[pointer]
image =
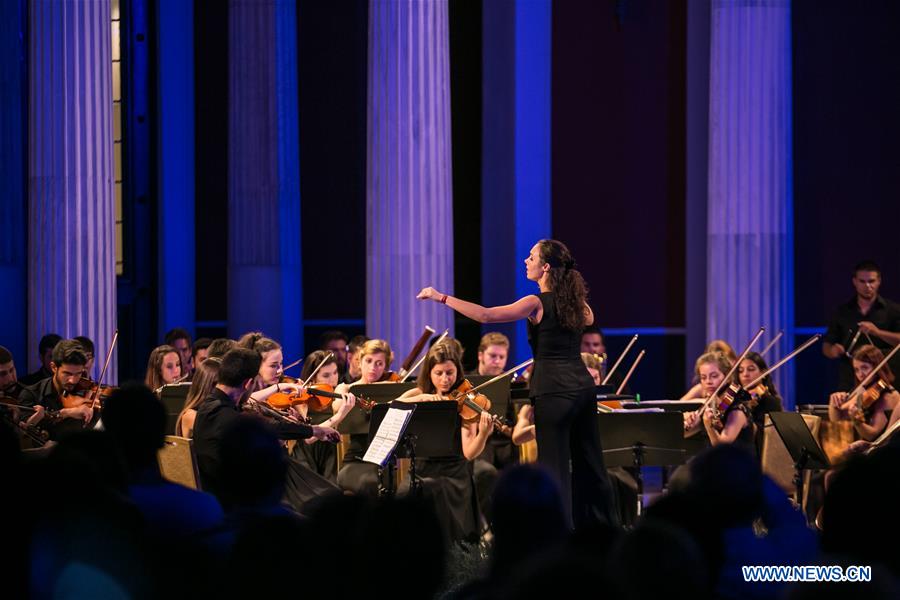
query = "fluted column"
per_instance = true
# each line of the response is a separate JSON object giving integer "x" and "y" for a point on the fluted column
{"x": 264, "y": 265}
{"x": 71, "y": 251}
{"x": 750, "y": 224}
{"x": 409, "y": 202}
{"x": 13, "y": 222}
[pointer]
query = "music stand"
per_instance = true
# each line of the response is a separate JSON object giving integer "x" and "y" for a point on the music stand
{"x": 173, "y": 396}
{"x": 433, "y": 431}
{"x": 642, "y": 439}
{"x": 357, "y": 420}
{"x": 805, "y": 451}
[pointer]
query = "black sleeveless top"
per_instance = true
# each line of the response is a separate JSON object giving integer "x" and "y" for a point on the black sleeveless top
{"x": 557, "y": 354}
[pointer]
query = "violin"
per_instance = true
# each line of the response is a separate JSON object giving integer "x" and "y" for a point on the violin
{"x": 390, "y": 376}
{"x": 265, "y": 409}
{"x": 868, "y": 396}
{"x": 86, "y": 391}
{"x": 317, "y": 397}
{"x": 471, "y": 404}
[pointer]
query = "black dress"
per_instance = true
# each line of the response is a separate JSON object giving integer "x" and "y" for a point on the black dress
{"x": 448, "y": 483}
{"x": 355, "y": 475}
{"x": 565, "y": 417}
{"x": 321, "y": 458}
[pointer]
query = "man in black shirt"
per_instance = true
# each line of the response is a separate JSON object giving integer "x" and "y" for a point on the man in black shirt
{"x": 220, "y": 411}
{"x": 867, "y": 314}
{"x": 67, "y": 367}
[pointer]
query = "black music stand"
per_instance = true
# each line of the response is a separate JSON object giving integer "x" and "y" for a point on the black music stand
{"x": 357, "y": 420}
{"x": 432, "y": 431}
{"x": 173, "y": 396}
{"x": 805, "y": 451}
{"x": 645, "y": 439}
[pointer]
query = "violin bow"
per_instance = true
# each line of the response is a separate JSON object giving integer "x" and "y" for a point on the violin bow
{"x": 109, "y": 352}
{"x": 312, "y": 375}
{"x": 621, "y": 356}
{"x": 630, "y": 371}
{"x": 772, "y": 343}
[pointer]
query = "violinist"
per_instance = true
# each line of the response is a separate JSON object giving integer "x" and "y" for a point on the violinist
{"x": 867, "y": 412}
{"x": 9, "y": 383}
{"x": 735, "y": 424}
{"x": 355, "y": 475}
{"x": 11, "y": 389}
{"x": 202, "y": 385}
{"x": 220, "y": 411}
{"x": 594, "y": 364}
{"x": 449, "y": 480}
{"x": 163, "y": 367}
{"x": 322, "y": 458}
{"x": 764, "y": 398}
{"x": 67, "y": 365}
{"x": 720, "y": 346}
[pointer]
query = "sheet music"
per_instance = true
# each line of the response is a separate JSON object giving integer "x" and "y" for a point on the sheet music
{"x": 387, "y": 436}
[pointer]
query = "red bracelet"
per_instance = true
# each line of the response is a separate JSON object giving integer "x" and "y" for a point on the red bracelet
{"x": 444, "y": 299}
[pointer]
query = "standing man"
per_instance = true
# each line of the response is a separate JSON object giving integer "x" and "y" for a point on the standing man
{"x": 874, "y": 317}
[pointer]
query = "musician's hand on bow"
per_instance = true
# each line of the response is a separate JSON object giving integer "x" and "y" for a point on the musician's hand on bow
{"x": 326, "y": 434}
{"x": 838, "y": 398}
{"x": 691, "y": 419}
{"x": 868, "y": 327}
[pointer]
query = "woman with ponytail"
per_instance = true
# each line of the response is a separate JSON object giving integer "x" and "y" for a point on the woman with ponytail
{"x": 562, "y": 390}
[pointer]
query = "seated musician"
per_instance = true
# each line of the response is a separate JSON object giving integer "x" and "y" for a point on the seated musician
{"x": 199, "y": 351}
{"x": 594, "y": 364}
{"x": 322, "y": 458}
{"x": 355, "y": 475}
{"x": 67, "y": 367}
{"x": 736, "y": 425}
{"x": 720, "y": 346}
{"x": 163, "y": 367}
{"x": 499, "y": 451}
{"x": 449, "y": 480}
{"x": 869, "y": 421}
{"x": 493, "y": 351}
{"x": 10, "y": 389}
{"x": 764, "y": 397}
{"x": 269, "y": 379}
{"x": 9, "y": 382}
{"x": 202, "y": 385}
{"x": 221, "y": 411}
